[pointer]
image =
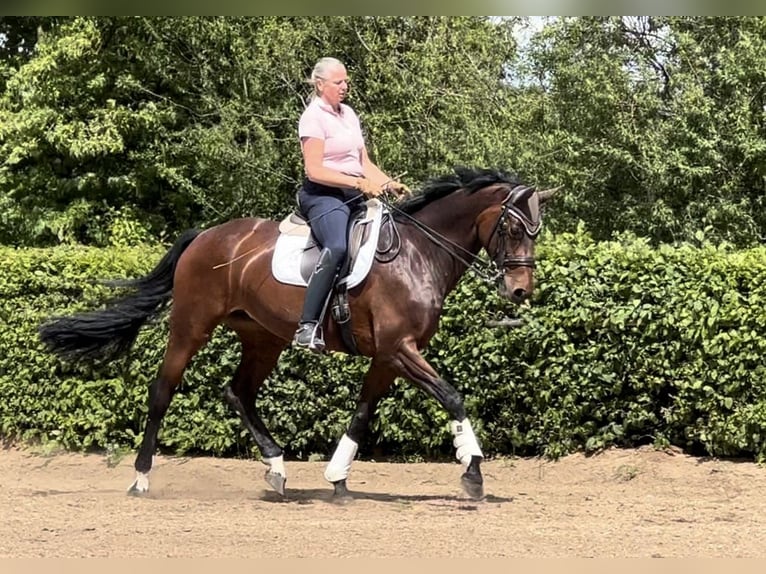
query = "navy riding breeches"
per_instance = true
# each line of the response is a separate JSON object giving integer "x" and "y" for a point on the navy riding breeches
{"x": 327, "y": 210}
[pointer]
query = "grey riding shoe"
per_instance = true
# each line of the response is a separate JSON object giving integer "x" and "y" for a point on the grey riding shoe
{"x": 309, "y": 336}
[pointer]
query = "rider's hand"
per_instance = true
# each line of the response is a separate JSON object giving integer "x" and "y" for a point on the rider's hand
{"x": 398, "y": 189}
{"x": 368, "y": 188}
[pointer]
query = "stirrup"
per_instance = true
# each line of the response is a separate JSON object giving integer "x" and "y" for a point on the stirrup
{"x": 309, "y": 336}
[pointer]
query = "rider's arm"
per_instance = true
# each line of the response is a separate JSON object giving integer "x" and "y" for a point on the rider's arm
{"x": 313, "y": 152}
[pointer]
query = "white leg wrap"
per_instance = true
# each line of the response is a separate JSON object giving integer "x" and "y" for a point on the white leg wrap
{"x": 341, "y": 460}
{"x": 465, "y": 441}
{"x": 276, "y": 465}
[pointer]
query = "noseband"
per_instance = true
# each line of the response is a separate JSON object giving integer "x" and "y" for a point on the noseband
{"x": 502, "y": 227}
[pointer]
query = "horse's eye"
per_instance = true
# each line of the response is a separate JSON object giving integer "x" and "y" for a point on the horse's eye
{"x": 516, "y": 231}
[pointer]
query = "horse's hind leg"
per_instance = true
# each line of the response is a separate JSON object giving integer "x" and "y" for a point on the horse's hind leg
{"x": 259, "y": 357}
{"x": 376, "y": 382}
{"x": 182, "y": 345}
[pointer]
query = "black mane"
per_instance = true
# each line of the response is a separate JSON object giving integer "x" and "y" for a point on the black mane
{"x": 470, "y": 179}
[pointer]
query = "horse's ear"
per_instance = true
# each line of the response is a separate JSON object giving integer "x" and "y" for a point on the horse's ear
{"x": 546, "y": 194}
{"x": 526, "y": 193}
{"x": 520, "y": 193}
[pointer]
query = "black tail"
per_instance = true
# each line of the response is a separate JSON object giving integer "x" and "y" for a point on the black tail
{"x": 109, "y": 333}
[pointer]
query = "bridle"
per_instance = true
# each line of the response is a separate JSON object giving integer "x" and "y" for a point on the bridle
{"x": 502, "y": 230}
{"x": 501, "y": 261}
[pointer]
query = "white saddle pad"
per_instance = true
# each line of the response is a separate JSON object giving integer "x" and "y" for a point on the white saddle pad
{"x": 294, "y": 238}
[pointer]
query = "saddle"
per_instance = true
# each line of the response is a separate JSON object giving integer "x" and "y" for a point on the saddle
{"x": 297, "y": 251}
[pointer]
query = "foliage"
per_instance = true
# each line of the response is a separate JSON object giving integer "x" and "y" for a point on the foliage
{"x": 120, "y": 132}
{"x": 623, "y": 344}
{"x": 190, "y": 121}
{"x": 653, "y": 125}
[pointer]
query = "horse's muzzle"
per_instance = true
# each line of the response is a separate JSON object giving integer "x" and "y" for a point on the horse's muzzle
{"x": 517, "y": 285}
{"x": 519, "y": 295}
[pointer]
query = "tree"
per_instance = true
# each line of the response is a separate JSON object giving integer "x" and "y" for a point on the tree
{"x": 168, "y": 123}
{"x": 654, "y": 125}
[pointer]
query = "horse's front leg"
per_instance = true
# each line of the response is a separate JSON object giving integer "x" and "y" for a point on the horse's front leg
{"x": 467, "y": 450}
{"x": 376, "y": 382}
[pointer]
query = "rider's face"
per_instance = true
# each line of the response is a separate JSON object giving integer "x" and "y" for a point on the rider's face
{"x": 333, "y": 87}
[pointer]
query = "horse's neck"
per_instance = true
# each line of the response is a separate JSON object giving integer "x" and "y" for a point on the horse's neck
{"x": 450, "y": 220}
{"x": 443, "y": 256}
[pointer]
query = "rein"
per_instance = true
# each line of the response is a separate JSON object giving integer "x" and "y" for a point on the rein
{"x": 487, "y": 270}
{"x": 452, "y": 248}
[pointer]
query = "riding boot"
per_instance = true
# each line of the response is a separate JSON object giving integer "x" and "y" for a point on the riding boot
{"x": 318, "y": 290}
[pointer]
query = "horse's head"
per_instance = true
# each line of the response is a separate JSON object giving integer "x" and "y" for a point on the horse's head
{"x": 503, "y": 217}
{"x": 508, "y": 232}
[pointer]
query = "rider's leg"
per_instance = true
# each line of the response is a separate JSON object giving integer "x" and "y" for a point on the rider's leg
{"x": 328, "y": 216}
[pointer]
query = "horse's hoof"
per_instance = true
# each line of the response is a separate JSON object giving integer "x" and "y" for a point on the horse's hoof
{"x": 342, "y": 499}
{"x": 475, "y": 490}
{"x": 136, "y": 490}
{"x": 341, "y": 494}
{"x": 276, "y": 481}
{"x": 140, "y": 486}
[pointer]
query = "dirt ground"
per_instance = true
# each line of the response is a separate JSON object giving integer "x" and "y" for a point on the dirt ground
{"x": 621, "y": 503}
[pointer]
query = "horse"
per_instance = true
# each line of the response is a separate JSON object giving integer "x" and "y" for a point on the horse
{"x": 223, "y": 275}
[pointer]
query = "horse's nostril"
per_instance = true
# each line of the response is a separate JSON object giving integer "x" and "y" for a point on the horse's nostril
{"x": 519, "y": 294}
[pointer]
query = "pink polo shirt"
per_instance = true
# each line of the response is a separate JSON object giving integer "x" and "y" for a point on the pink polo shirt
{"x": 342, "y": 135}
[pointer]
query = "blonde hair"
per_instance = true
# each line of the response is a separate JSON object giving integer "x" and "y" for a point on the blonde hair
{"x": 320, "y": 70}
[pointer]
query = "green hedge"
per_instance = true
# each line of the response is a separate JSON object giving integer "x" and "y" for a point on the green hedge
{"x": 623, "y": 344}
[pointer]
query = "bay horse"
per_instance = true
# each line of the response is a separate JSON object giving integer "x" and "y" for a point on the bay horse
{"x": 222, "y": 275}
